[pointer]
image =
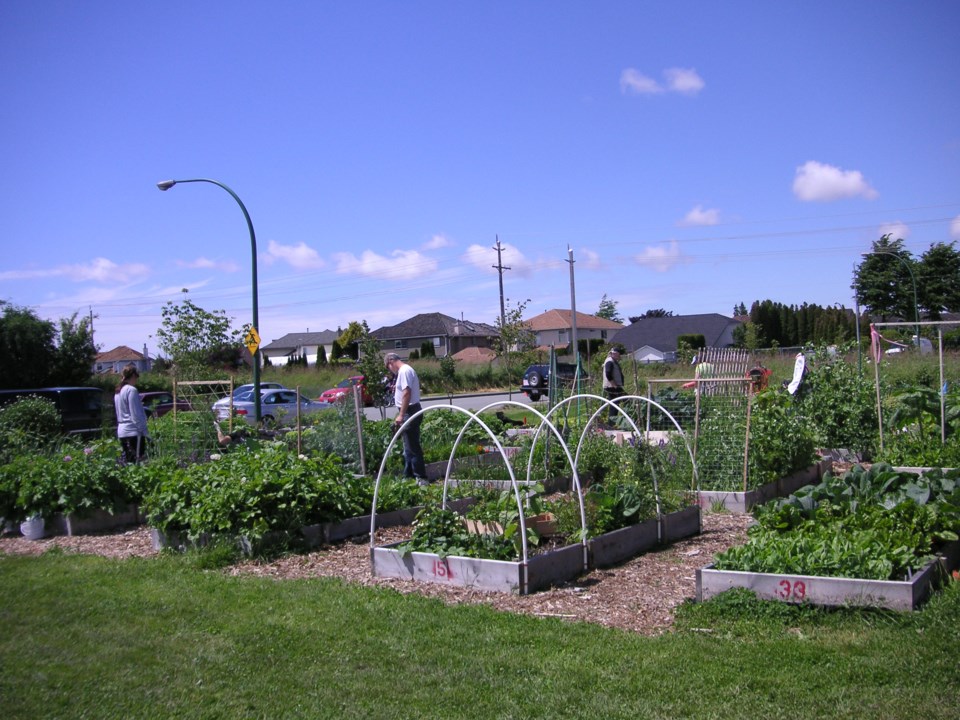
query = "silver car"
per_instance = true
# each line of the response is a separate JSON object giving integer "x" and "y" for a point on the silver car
{"x": 278, "y": 406}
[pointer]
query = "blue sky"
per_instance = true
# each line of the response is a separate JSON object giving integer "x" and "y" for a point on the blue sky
{"x": 694, "y": 155}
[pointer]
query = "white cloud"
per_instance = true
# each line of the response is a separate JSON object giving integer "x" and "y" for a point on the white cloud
{"x": 896, "y": 230}
{"x": 401, "y": 265}
{"x": 955, "y": 228}
{"x": 590, "y": 259}
{"x": 99, "y": 270}
{"x": 678, "y": 80}
{"x": 684, "y": 81}
{"x": 633, "y": 81}
{"x": 816, "y": 181}
{"x": 437, "y": 242}
{"x": 202, "y": 263}
{"x": 699, "y": 216}
{"x": 485, "y": 258}
{"x": 300, "y": 256}
{"x": 661, "y": 257}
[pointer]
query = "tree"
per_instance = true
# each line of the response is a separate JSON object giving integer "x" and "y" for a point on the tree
{"x": 883, "y": 284}
{"x": 370, "y": 365}
{"x": 321, "y": 356}
{"x": 26, "y": 348}
{"x": 938, "y": 280}
{"x": 516, "y": 337}
{"x": 608, "y": 310}
{"x": 194, "y": 338}
{"x": 350, "y": 338}
{"x": 76, "y": 352}
{"x": 739, "y": 310}
{"x": 747, "y": 335}
{"x": 656, "y": 313}
{"x": 427, "y": 349}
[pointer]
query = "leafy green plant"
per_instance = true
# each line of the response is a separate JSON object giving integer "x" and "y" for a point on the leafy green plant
{"x": 444, "y": 533}
{"x": 875, "y": 524}
{"x": 28, "y": 425}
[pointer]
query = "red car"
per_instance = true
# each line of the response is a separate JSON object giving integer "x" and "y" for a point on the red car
{"x": 158, "y": 404}
{"x": 344, "y": 390}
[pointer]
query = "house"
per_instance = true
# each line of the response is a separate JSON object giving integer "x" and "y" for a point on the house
{"x": 294, "y": 345}
{"x": 447, "y": 335}
{"x": 555, "y": 326}
{"x": 114, "y": 360}
{"x": 653, "y": 339}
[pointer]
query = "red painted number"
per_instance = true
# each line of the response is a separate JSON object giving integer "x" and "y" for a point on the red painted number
{"x": 442, "y": 570}
{"x": 792, "y": 591}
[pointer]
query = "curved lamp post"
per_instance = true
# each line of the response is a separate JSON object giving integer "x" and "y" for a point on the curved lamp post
{"x": 916, "y": 306}
{"x": 166, "y": 185}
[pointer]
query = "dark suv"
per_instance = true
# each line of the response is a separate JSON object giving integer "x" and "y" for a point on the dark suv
{"x": 80, "y": 408}
{"x": 536, "y": 379}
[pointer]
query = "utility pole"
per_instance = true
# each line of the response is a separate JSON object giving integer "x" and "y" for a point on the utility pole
{"x": 499, "y": 267}
{"x": 573, "y": 308}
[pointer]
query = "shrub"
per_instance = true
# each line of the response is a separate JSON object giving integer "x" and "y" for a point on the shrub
{"x": 28, "y": 425}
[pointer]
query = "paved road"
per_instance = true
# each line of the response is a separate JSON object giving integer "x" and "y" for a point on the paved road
{"x": 468, "y": 401}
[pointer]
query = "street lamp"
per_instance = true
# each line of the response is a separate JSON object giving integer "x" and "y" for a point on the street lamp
{"x": 916, "y": 306}
{"x": 166, "y": 185}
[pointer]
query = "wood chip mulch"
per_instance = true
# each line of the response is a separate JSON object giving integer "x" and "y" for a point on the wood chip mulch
{"x": 638, "y": 596}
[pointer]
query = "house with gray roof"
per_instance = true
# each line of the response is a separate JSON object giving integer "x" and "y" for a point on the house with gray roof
{"x": 655, "y": 339}
{"x": 448, "y": 335}
{"x": 294, "y": 345}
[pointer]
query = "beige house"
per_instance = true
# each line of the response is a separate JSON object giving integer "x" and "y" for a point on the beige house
{"x": 554, "y": 327}
{"x": 114, "y": 360}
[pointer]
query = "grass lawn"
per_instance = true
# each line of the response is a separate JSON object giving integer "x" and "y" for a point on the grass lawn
{"x": 88, "y": 637}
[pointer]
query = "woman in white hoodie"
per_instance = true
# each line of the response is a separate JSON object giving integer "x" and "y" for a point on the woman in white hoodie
{"x": 131, "y": 419}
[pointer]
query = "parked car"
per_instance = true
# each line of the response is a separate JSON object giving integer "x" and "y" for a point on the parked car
{"x": 278, "y": 406}
{"x": 536, "y": 378}
{"x": 344, "y": 389}
{"x": 158, "y": 404}
{"x": 247, "y": 387}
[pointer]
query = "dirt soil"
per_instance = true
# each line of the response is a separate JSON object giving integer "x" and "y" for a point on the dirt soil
{"x": 638, "y": 596}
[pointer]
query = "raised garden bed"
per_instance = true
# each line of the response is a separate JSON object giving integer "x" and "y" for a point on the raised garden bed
{"x": 742, "y": 502}
{"x": 95, "y": 521}
{"x": 832, "y": 591}
{"x": 540, "y": 571}
{"x": 620, "y": 545}
{"x": 879, "y": 537}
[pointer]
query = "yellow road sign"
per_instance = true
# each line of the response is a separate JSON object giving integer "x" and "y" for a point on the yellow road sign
{"x": 252, "y": 340}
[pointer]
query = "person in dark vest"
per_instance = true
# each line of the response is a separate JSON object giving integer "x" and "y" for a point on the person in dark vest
{"x": 612, "y": 380}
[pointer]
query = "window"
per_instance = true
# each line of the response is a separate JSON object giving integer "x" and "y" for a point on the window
{"x": 400, "y": 344}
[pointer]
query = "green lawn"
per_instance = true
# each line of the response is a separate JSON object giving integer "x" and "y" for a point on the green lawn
{"x": 87, "y": 637}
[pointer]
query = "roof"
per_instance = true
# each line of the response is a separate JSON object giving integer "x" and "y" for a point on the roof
{"x": 121, "y": 352}
{"x": 562, "y": 319}
{"x": 662, "y": 332}
{"x": 471, "y": 355}
{"x": 434, "y": 325}
{"x": 292, "y": 341}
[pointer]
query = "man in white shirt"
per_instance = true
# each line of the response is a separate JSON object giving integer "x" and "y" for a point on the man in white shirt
{"x": 406, "y": 397}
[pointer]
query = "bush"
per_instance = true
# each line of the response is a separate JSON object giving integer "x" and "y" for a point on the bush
{"x": 29, "y": 425}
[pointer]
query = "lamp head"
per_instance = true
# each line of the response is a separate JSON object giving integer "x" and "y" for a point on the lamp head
{"x": 166, "y": 184}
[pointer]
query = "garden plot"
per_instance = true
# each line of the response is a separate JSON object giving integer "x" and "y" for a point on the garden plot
{"x": 882, "y": 537}
{"x": 638, "y": 499}
{"x": 742, "y": 502}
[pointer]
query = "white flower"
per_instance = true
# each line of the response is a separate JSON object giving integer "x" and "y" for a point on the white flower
{"x": 215, "y": 456}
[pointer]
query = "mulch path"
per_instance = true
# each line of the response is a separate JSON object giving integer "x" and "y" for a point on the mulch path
{"x": 638, "y": 596}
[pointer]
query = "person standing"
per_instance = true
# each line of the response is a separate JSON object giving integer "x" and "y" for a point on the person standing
{"x": 406, "y": 396}
{"x": 131, "y": 418}
{"x": 612, "y": 380}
